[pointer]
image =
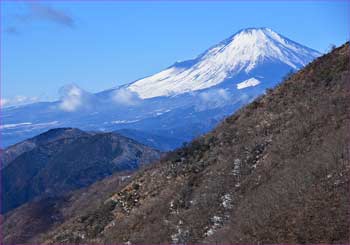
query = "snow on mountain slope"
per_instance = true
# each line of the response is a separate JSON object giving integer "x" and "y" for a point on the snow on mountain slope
{"x": 240, "y": 53}
{"x": 251, "y": 82}
{"x": 207, "y": 88}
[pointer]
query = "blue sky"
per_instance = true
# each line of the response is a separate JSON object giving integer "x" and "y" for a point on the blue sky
{"x": 99, "y": 45}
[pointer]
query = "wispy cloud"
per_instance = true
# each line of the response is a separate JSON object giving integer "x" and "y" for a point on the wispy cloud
{"x": 18, "y": 100}
{"x": 39, "y": 11}
{"x": 125, "y": 97}
{"x": 12, "y": 30}
{"x": 212, "y": 99}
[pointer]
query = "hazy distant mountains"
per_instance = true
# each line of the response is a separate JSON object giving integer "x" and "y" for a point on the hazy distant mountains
{"x": 178, "y": 103}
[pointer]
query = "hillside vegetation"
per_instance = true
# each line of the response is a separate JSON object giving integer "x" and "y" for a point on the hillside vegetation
{"x": 277, "y": 171}
{"x": 65, "y": 159}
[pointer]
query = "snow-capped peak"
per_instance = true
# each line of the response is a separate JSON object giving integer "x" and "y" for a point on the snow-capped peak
{"x": 239, "y": 54}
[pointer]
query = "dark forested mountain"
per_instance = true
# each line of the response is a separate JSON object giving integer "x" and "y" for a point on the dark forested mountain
{"x": 277, "y": 171}
{"x": 161, "y": 142}
{"x": 65, "y": 159}
{"x": 65, "y": 134}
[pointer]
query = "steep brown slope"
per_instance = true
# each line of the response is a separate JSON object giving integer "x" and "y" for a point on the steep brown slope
{"x": 277, "y": 171}
{"x": 26, "y": 223}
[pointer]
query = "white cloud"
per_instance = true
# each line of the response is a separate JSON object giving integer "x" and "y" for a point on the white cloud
{"x": 18, "y": 100}
{"x": 125, "y": 97}
{"x": 212, "y": 99}
{"x": 218, "y": 94}
{"x": 4, "y": 102}
{"x": 73, "y": 98}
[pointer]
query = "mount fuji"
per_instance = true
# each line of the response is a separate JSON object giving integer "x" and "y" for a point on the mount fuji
{"x": 175, "y": 105}
{"x": 245, "y": 52}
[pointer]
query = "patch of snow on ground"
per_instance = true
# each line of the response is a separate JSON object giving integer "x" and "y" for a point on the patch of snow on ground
{"x": 226, "y": 201}
{"x": 236, "y": 167}
{"x": 217, "y": 222}
{"x": 181, "y": 234}
{"x": 125, "y": 177}
{"x": 173, "y": 209}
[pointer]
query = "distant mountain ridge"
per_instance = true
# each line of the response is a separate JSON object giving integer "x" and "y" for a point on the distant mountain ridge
{"x": 64, "y": 159}
{"x": 68, "y": 134}
{"x": 181, "y": 102}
